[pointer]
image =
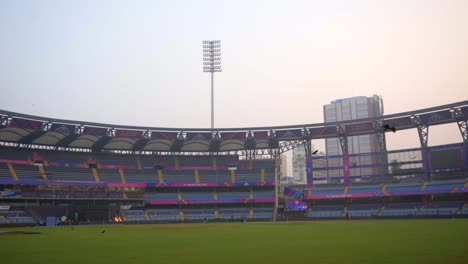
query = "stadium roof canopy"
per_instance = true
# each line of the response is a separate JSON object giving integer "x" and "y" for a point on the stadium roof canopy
{"x": 24, "y": 130}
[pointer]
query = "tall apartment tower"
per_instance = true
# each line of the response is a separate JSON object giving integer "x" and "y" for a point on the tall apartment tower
{"x": 299, "y": 165}
{"x": 350, "y": 109}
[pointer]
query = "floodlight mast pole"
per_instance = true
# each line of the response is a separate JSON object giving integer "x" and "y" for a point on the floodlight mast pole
{"x": 212, "y": 64}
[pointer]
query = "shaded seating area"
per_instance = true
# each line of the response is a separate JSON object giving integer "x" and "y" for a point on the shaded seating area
{"x": 401, "y": 209}
{"x": 165, "y": 215}
{"x": 69, "y": 174}
{"x": 134, "y": 215}
{"x": 326, "y": 211}
{"x": 233, "y": 213}
{"x": 17, "y": 217}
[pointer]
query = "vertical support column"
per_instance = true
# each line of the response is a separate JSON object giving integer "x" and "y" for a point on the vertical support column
{"x": 308, "y": 163}
{"x": 423, "y": 133}
{"x": 250, "y": 145}
{"x": 309, "y": 171}
{"x": 462, "y": 122}
{"x": 277, "y": 171}
{"x": 382, "y": 143}
{"x": 343, "y": 137}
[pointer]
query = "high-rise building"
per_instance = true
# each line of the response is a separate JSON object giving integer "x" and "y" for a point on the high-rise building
{"x": 350, "y": 109}
{"x": 299, "y": 165}
{"x": 284, "y": 165}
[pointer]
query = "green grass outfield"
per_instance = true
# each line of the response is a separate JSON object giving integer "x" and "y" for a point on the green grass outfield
{"x": 392, "y": 241}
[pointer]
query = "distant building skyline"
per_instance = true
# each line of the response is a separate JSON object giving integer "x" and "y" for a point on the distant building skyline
{"x": 353, "y": 108}
{"x": 138, "y": 63}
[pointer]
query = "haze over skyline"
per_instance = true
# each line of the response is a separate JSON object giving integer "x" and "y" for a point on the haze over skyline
{"x": 140, "y": 62}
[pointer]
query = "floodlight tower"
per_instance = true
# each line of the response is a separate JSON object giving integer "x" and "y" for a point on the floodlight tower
{"x": 212, "y": 63}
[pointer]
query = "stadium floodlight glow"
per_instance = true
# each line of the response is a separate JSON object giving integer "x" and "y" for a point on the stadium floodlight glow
{"x": 212, "y": 64}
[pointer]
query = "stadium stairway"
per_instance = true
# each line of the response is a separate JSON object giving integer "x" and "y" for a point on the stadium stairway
{"x": 148, "y": 218}
{"x": 122, "y": 214}
{"x": 4, "y": 219}
{"x": 251, "y": 195}
{"x": 384, "y": 188}
{"x": 179, "y": 196}
{"x": 251, "y": 213}
{"x": 43, "y": 173}
{"x": 462, "y": 206}
{"x": 197, "y": 177}
{"x": 345, "y": 210}
{"x": 160, "y": 177}
{"x": 420, "y": 209}
{"x": 262, "y": 179}
{"x": 138, "y": 161}
{"x": 345, "y": 191}
{"x": 95, "y": 174}
{"x": 13, "y": 172}
{"x": 423, "y": 187}
{"x": 33, "y": 214}
{"x": 233, "y": 176}
{"x": 216, "y": 213}
{"x": 122, "y": 176}
{"x": 382, "y": 208}
{"x": 215, "y": 196}
{"x": 182, "y": 215}
{"x": 214, "y": 163}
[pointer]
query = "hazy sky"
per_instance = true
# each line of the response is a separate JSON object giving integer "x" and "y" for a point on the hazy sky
{"x": 140, "y": 62}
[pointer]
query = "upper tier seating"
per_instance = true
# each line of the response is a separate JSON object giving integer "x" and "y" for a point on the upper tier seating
{"x": 137, "y": 176}
{"x": 233, "y": 195}
{"x": 15, "y": 154}
{"x": 5, "y": 172}
{"x": 364, "y": 188}
{"x": 263, "y": 194}
{"x": 109, "y": 175}
{"x": 214, "y": 176}
{"x": 403, "y": 187}
{"x": 150, "y": 161}
{"x": 179, "y": 176}
{"x": 69, "y": 174}
{"x": 115, "y": 159}
{"x": 332, "y": 190}
{"x": 253, "y": 175}
{"x": 266, "y": 163}
{"x": 162, "y": 196}
{"x": 27, "y": 172}
{"x": 197, "y": 196}
{"x": 205, "y": 161}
